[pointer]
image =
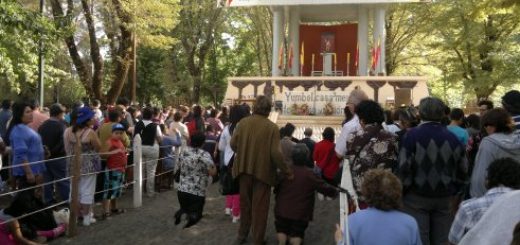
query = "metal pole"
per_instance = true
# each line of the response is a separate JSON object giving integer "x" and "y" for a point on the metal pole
{"x": 40, "y": 61}
{"x": 138, "y": 172}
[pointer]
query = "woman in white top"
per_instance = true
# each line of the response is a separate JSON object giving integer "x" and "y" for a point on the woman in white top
{"x": 237, "y": 112}
{"x": 178, "y": 126}
{"x": 151, "y": 138}
{"x": 389, "y": 125}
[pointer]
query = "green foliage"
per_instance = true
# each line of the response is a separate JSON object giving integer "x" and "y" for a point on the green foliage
{"x": 20, "y": 32}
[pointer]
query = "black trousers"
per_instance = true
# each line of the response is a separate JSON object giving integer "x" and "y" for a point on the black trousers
{"x": 192, "y": 205}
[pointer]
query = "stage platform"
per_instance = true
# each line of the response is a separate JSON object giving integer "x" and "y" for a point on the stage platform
{"x": 316, "y": 123}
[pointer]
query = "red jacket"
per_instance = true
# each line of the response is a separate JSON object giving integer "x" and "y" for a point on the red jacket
{"x": 325, "y": 158}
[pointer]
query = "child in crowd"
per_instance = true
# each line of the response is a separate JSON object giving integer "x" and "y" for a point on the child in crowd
{"x": 168, "y": 145}
{"x": 295, "y": 198}
{"x": 116, "y": 166}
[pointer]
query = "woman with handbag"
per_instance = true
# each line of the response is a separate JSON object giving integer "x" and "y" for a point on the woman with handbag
{"x": 230, "y": 185}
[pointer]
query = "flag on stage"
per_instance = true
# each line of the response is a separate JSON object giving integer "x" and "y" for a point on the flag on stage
{"x": 373, "y": 58}
{"x": 376, "y": 52}
{"x": 302, "y": 58}
{"x": 280, "y": 58}
{"x": 356, "y": 61}
{"x": 291, "y": 56}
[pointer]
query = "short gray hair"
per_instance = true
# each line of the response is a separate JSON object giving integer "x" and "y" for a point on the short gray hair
{"x": 300, "y": 154}
{"x": 432, "y": 109}
{"x": 262, "y": 106}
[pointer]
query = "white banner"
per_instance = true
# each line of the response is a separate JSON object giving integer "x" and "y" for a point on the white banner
{"x": 241, "y": 3}
{"x": 313, "y": 102}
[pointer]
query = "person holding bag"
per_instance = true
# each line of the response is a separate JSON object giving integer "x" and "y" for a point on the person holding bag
{"x": 229, "y": 184}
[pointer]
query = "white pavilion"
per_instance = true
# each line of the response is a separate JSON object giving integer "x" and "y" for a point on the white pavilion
{"x": 328, "y": 82}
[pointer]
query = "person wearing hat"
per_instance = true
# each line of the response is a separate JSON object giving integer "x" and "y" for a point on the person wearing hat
{"x": 51, "y": 132}
{"x": 116, "y": 165}
{"x": 511, "y": 102}
{"x": 90, "y": 160}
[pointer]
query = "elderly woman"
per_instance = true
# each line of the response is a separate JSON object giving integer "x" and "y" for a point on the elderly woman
{"x": 372, "y": 147}
{"x": 350, "y": 125}
{"x": 295, "y": 198}
{"x": 26, "y": 147}
{"x": 500, "y": 143}
{"x": 381, "y": 223}
{"x": 195, "y": 166}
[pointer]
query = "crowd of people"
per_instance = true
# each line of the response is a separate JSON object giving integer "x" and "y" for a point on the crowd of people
{"x": 420, "y": 175}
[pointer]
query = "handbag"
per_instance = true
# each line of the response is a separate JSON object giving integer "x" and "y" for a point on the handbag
{"x": 228, "y": 184}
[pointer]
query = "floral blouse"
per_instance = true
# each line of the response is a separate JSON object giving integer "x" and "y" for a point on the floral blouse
{"x": 376, "y": 147}
{"x": 194, "y": 177}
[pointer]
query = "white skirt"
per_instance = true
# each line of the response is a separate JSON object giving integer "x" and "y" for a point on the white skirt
{"x": 87, "y": 187}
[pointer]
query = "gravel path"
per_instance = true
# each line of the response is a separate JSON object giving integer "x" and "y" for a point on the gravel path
{"x": 153, "y": 224}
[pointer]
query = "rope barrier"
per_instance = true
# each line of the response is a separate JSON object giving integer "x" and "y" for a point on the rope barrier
{"x": 31, "y": 213}
{"x": 36, "y": 162}
{"x": 34, "y": 187}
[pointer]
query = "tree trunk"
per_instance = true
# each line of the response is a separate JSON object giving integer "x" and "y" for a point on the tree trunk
{"x": 84, "y": 72}
{"x": 95, "y": 54}
{"x": 123, "y": 58}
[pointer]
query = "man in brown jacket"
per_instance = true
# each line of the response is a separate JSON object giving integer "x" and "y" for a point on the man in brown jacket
{"x": 256, "y": 143}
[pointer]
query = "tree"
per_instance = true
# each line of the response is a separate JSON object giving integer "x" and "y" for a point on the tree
{"x": 200, "y": 20}
{"x": 120, "y": 19}
{"x": 21, "y": 29}
{"x": 478, "y": 44}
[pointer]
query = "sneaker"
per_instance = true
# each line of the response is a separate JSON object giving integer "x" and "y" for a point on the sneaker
{"x": 227, "y": 211}
{"x": 236, "y": 219}
{"x": 86, "y": 220}
{"x": 92, "y": 219}
{"x": 321, "y": 197}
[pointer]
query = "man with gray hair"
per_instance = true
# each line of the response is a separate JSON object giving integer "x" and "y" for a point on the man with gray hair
{"x": 256, "y": 143}
{"x": 433, "y": 168}
{"x": 351, "y": 126}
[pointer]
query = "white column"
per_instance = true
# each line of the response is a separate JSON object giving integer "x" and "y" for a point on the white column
{"x": 363, "y": 41}
{"x": 294, "y": 34}
{"x": 278, "y": 19}
{"x": 380, "y": 36}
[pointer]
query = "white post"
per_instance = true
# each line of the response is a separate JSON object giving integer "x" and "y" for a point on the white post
{"x": 294, "y": 33}
{"x": 363, "y": 40}
{"x": 278, "y": 19}
{"x": 382, "y": 19}
{"x": 138, "y": 172}
{"x": 379, "y": 36}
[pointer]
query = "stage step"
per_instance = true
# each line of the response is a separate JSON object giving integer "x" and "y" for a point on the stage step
{"x": 316, "y": 123}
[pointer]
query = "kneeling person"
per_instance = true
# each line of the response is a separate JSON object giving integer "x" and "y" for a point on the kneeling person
{"x": 295, "y": 198}
{"x": 196, "y": 165}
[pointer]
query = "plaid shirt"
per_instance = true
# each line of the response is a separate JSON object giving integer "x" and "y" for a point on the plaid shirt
{"x": 471, "y": 211}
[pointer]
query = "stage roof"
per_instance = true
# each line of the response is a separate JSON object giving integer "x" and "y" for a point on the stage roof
{"x": 245, "y": 3}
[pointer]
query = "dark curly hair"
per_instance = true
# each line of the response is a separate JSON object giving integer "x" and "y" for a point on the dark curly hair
{"x": 504, "y": 171}
{"x": 498, "y": 118}
{"x": 370, "y": 112}
{"x": 382, "y": 189}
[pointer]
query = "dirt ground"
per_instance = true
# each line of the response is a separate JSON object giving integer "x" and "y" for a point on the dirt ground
{"x": 154, "y": 224}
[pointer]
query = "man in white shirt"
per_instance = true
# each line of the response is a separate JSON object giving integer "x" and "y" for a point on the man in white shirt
{"x": 351, "y": 126}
